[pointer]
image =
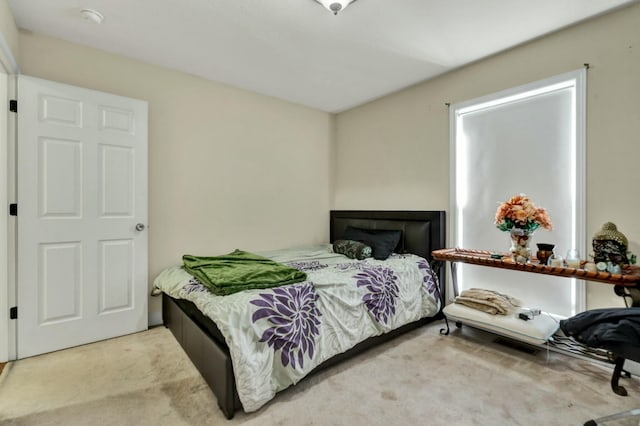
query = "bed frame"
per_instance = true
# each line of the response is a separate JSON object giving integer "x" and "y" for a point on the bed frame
{"x": 422, "y": 232}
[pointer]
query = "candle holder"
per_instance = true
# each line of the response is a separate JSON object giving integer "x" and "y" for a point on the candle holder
{"x": 573, "y": 259}
{"x": 555, "y": 260}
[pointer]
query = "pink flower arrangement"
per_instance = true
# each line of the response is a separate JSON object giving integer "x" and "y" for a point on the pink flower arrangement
{"x": 520, "y": 212}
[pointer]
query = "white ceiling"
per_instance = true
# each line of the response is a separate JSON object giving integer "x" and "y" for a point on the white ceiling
{"x": 298, "y": 51}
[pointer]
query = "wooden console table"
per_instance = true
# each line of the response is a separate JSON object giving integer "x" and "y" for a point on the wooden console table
{"x": 626, "y": 284}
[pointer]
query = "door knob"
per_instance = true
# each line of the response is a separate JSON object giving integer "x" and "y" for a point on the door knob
{"x": 140, "y": 227}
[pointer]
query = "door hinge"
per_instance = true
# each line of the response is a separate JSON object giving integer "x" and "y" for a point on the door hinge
{"x": 13, "y": 209}
{"x": 13, "y": 313}
{"x": 13, "y": 105}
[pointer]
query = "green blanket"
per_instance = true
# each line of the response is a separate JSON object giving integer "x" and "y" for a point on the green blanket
{"x": 240, "y": 271}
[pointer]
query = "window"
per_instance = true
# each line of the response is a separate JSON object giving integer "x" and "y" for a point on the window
{"x": 529, "y": 140}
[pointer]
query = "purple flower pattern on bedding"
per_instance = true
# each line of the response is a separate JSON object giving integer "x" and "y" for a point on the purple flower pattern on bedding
{"x": 313, "y": 265}
{"x": 294, "y": 314}
{"x": 429, "y": 279}
{"x": 382, "y": 291}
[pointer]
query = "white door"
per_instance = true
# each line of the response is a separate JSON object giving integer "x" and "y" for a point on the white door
{"x": 82, "y": 206}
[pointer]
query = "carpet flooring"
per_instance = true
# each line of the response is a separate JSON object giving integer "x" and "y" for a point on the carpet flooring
{"x": 420, "y": 378}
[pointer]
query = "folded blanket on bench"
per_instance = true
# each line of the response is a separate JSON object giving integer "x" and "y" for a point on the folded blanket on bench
{"x": 238, "y": 271}
{"x": 488, "y": 301}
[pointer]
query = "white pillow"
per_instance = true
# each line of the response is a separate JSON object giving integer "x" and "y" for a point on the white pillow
{"x": 535, "y": 331}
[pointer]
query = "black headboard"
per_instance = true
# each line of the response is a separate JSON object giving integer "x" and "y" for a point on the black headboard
{"x": 422, "y": 231}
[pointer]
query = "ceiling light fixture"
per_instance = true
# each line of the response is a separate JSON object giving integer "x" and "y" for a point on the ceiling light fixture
{"x": 92, "y": 15}
{"x": 335, "y": 6}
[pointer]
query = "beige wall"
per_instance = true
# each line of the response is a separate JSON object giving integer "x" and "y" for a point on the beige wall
{"x": 232, "y": 169}
{"x": 394, "y": 152}
{"x": 227, "y": 168}
{"x": 8, "y": 31}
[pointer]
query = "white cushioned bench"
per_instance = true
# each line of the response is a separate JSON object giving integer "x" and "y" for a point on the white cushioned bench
{"x": 535, "y": 331}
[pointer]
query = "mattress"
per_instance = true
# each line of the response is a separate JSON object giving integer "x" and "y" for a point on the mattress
{"x": 277, "y": 336}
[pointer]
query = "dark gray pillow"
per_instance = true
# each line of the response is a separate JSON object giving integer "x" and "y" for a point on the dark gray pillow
{"x": 382, "y": 242}
{"x": 352, "y": 249}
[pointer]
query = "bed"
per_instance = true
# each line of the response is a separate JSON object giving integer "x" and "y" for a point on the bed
{"x": 213, "y": 346}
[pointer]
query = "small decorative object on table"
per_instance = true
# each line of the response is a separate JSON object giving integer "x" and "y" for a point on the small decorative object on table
{"x": 555, "y": 260}
{"x": 610, "y": 248}
{"x": 591, "y": 267}
{"x": 521, "y": 218}
{"x": 573, "y": 259}
{"x": 545, "y": 250}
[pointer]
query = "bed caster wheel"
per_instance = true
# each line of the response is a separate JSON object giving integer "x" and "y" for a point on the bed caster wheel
{"x": 458, "y": 324}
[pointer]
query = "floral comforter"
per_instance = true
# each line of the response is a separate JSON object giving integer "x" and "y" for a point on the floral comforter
{"x": 277, "y": 336}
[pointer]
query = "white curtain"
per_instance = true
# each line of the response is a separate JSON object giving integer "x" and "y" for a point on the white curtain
{"x": 527, "y": 140}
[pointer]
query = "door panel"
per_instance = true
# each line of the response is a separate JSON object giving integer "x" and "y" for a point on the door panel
{"x": 60, "y": 282}
{"x": 60, "y": 177}
{"x": 60, "y": 111}
{"x": 82, "y": 187}
{"x": 116, "y": 181}
{"x": 116, "y": 290}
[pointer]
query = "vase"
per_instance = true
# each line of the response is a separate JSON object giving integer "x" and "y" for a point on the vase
{"x": 545, "y": 250}
{"x": 520, "y": 241}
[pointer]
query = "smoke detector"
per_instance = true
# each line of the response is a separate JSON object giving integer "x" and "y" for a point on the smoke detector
{"x": 92, "y": 15}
